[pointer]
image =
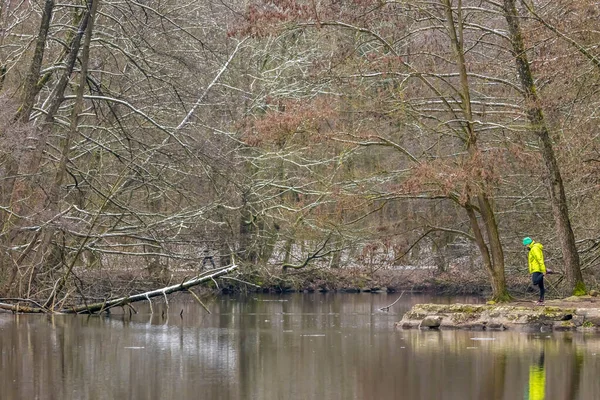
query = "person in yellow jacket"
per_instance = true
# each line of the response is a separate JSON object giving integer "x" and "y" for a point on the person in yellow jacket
{"x": 537, "y": 269}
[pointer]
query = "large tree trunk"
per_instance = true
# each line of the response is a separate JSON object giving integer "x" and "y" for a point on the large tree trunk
{"x": 496, "y": 274}
{"x": 28, "y": 194}
{"x": 500, "y": 293}
{"x": 554, "y": 181}
{"x": 52, "y": 203}
{"x": 31, "y": 82}
{"x": 30, "y": 89}
{"x": 491, "y": 251}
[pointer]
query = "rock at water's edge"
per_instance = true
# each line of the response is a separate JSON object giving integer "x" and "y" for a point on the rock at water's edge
{"x": 499, "y": 317}
{"x": 431, "y": 322}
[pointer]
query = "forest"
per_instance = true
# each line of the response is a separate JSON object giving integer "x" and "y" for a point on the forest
{"x": 146, "y": 139}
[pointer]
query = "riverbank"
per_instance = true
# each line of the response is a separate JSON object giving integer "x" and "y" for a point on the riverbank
{"x": 365, "y": 279}
{"x": 425, "y": 280}
{"x": 100, "y": 284}
{"x": 349, "y": 280}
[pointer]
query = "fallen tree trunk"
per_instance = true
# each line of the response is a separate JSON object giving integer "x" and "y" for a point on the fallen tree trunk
{"x": 121, "y": 301}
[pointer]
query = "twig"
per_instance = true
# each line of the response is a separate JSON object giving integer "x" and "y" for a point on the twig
{"x": 553, "y": 287}
{"x": 102, "y": 308}
{"x": 310, "y": 257}
{"x": 64, "y": 299}
{"x": 207, "y": 89}
{"x": 150, "y": 301}
{"x": 19, "y": 299}
{"x": 166, "y": 300}
{"x": 199, "y": 301}
{"x": 241, "y": 281}
{"x": 387, "y": 308}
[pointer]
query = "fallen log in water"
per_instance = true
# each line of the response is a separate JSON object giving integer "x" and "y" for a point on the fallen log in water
{"x": 121, "y": 301}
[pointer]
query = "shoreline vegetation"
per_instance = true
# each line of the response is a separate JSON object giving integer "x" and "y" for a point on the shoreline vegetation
{"x": 455, "y": 281}
{"x": 107, "y": 288}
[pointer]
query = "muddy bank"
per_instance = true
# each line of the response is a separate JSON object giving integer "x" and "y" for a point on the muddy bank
{"x": 557, "y": 315}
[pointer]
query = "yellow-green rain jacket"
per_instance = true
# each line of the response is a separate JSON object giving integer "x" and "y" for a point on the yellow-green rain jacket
{"x": 536, "y": 258}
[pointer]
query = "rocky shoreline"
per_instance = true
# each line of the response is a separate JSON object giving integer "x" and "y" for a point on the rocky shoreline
{"x": 563, "y": 316}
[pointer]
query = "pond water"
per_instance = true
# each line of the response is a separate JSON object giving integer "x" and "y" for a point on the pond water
{"x": 296, "y": 346}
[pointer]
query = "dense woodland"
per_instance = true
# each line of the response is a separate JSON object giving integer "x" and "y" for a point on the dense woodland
{"x": 297, "y": 135}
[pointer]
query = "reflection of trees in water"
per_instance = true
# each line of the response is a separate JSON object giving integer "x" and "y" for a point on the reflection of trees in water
{"x": 451, "y": 365}
{"x": 296, "y": 341}
{"x": 574, "y": 378}
{"x": 256, "y": 349}
{"x": 510, "y": 342}
{"x": 493, "y": 389}
{"x": 101, "y": 358}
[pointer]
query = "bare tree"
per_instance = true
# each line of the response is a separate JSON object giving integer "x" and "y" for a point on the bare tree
{"x": 133, "y": 160}
{"x": 554, "y": 180}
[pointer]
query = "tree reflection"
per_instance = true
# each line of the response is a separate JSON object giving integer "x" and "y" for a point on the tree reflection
{"x": 293, "y": 347}
{"x": 575, "y": 375}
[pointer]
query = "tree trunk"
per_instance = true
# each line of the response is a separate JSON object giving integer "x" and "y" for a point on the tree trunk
{"x": 247, "y": 250}
{"x": 22, "y": 115}
{"x": 3, "y": 71}
{"x": 495, "y": 272}
{"x": 25, "y": 186}
{"x": 480, "y": 241}
{"x": 554, "y": 181}
{"x": 29, "y": 88}
{"x": 491, "y": 252}
{"x": 495, "y": 248}
{"x": 336, "y": 257}
{"x": 267, "y": 246}
{"x": 287, "y": 250}
{"x": 77, "y": 107}
{"x": 32, "y": 159}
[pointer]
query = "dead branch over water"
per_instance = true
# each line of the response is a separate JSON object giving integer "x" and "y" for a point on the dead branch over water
{"x": 121, "y": 301}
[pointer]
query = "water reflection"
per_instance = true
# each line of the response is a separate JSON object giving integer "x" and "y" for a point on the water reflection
{"x": 286, "y": 347}
{"x": 537, "y": 380}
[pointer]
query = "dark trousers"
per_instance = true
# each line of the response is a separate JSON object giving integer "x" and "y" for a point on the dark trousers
{"x": 537, "y": 278}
